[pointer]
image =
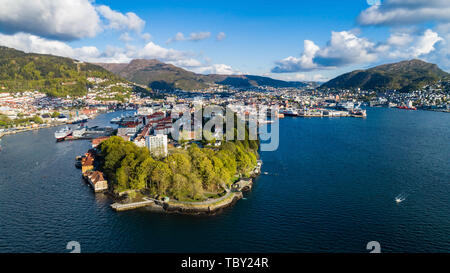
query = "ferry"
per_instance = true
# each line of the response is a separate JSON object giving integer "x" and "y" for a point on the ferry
{"x": 289, "y": 113}
{"x": 116, "y": 120}
{"x": 63, "y": 133}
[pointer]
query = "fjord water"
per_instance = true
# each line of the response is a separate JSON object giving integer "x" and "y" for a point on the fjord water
{"x": 330, "y": 187}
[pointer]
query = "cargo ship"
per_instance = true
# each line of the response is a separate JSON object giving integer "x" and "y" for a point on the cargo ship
{"x": 63, "y": 133}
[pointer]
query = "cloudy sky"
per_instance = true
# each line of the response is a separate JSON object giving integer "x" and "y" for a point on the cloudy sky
{"x": 291, "y": 40}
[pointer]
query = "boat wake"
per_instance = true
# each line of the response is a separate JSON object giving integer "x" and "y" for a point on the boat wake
{"x": 400, "y": 198}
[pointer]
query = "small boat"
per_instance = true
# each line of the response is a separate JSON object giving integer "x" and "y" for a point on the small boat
{"x": 400, "y": 198}
{"x": 116, "y": 120}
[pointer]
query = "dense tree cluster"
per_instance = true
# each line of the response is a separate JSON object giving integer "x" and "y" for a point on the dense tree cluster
{"x": 184, "y": 175}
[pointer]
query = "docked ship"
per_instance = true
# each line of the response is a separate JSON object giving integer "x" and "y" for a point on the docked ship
{"x": 79, "y": 132}
{"x": 358, "y": 113}
{"x": 63, "y": 133}
{"x": 289, "y": 112}
{"x": 347, "y": 106}
{"x": 116, "y": 120}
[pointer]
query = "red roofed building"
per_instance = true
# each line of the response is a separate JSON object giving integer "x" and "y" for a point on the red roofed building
{"x": 97, "y": 141}
{"x": 97, "y": 181}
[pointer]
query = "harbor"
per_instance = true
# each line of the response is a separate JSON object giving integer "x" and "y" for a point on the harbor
{"x": 344, "y": 109}
{"x": 82, "y": 132}
{"x": 294, "y": 206}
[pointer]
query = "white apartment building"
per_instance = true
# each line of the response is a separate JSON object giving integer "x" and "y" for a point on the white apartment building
{"x": 157, "y": 145}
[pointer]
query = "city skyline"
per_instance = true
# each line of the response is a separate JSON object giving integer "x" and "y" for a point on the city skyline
{"x": 306, "y": 41}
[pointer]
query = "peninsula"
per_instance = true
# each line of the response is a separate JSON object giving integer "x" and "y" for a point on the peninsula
{"x": 198, "y": 178}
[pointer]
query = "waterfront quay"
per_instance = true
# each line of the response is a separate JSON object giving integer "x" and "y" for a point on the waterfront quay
{"x": 5, "y": 132}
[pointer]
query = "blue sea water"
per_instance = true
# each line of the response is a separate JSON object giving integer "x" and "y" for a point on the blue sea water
{"x": 329, "y": 187}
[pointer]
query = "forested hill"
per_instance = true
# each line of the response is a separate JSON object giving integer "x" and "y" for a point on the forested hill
{"x": 402, "y": 76}
{"x": 56, "y": 76}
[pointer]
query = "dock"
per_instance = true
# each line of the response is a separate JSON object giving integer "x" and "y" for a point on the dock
{"x": 130, "y": 206}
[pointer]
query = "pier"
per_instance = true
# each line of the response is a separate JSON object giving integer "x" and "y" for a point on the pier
{"x": 130, "y": 206}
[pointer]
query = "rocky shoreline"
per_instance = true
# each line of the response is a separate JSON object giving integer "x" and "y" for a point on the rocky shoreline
{"x": 175, "y": 207}
{"x": 202, "y": 210}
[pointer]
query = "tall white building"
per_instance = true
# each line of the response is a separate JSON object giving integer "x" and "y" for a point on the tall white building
{"x": 157, "y": 145}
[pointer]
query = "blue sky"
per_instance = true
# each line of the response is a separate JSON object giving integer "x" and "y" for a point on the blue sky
{"x": 292, "y": 40}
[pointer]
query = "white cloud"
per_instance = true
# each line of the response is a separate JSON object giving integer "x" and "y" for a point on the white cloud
{"x": 302, "y": 77}
{"x": 62, "y": 19}
{"x": 400, "y": 39}
{"x": 32, "y": 43}
{"x": 194, "y": 36}
{"x": 125, "y": 37}
{"x": 120, "y": 21}
{"x": 154, "y": 51}
{"x": 304, "y": 63}
{"x": 198, "y": 36}
{"x": 178, "y": 37}
{"x": 216, "y": 69}
{"x": 344, "y": 48}
{"x": 220, "y": 36}
{"x": 146, "y": 36}
{"x": 403, "y": 12}
{"x": 409, "y": 46}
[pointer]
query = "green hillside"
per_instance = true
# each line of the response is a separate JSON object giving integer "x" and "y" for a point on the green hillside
{"x": 55, "y": 76}
{"x": 404, "y": 76}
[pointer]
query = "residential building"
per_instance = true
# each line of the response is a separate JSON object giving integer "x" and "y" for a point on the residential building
{"x": 157, "y": 145}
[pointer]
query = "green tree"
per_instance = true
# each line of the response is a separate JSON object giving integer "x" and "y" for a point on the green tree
{"x": 161, "y": 177}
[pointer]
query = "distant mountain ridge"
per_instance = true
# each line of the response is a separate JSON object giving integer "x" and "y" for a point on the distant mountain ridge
{"x": 163, "y": 76}
{"x": 402, "y": 76}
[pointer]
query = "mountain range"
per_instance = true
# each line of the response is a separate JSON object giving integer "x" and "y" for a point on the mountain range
{"x": 162, "y": 76}
{"x": 60, "y": 76}
{"x": 403, "y": 76}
